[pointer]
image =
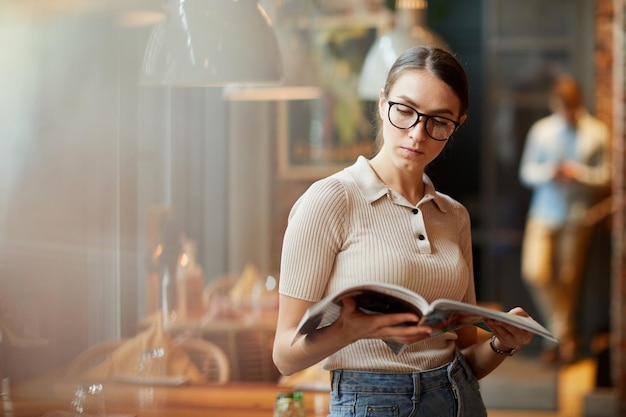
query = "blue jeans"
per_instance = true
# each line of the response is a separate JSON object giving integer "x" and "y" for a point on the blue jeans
{"x": 449, "y": 391}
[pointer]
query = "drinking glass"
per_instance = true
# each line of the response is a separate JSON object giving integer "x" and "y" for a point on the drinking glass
{"x": 152, "y": 363}
{"x": 88, "y": 401}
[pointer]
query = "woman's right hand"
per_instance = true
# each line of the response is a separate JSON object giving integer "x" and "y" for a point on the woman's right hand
{"x": 351, "y": 326}
{"x": 397, "y": 327}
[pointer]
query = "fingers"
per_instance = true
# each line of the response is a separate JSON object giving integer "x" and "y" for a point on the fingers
{"x": 509, "y": 336}
{"x": 348, "y": 305}
{"x": 403, "y": 334}
{"x": 400, "y": 327}
{"x": 518, "y": 311}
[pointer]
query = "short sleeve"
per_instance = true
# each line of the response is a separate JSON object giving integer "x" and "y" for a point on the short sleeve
{"x": 314, "y": 235}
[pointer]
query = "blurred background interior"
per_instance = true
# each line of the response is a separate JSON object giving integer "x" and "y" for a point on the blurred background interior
{"x": 116, "y": 176}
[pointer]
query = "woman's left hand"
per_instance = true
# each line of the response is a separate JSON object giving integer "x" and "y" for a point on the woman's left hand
{"x": 510, "y": 337}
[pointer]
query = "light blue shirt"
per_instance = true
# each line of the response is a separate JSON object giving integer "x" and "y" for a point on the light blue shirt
{"x": 551, "y": 141}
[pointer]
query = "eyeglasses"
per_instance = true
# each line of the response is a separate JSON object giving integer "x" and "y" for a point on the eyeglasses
{"x": 406, "y": 117}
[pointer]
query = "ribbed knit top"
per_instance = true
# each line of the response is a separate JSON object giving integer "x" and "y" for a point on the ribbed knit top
{"x": 350, "y": 228}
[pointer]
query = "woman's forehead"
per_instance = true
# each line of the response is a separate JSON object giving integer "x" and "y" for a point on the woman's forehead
{"x": 426, "y": 90}
{"x": 413, "y": 78}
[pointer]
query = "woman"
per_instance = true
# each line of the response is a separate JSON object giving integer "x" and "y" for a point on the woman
{"x": 381, "y": 219}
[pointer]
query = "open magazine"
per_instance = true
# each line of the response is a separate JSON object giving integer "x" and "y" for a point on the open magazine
{"x": 380, "y": 298}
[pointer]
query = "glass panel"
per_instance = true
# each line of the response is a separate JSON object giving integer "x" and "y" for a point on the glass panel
{"x": 534, "y": 18}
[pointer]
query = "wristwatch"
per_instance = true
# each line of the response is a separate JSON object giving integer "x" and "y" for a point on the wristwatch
{"x": 493, "y": 347}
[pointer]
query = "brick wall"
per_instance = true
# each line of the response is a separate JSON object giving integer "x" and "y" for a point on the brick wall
{"x": 609, "y": 102}
{"x": 603, "y": 91}
{"x": 619, "y": 189}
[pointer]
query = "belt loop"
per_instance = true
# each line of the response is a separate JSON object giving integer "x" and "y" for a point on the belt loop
{"x": 416, "y": 386}
{"x": 336, "y": 377}
{"x": 455, "y": 367}
{"x": 463, "y": 365}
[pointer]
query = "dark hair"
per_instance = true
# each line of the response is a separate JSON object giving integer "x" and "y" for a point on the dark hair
{"x": 567, "y": 89}
{"x": 437, "y": 61}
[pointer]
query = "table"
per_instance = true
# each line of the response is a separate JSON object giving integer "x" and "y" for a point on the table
{"x": 254, "y": 399}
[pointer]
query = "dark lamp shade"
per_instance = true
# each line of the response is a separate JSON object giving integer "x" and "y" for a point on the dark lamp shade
{"x": 212, "y": 43}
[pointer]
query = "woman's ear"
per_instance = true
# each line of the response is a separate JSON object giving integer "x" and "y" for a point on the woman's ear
{"x": 382, "y": 101}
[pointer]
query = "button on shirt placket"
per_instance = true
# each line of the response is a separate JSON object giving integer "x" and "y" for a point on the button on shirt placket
{"x": 417, "y": 219}
{"x": 419, "y": 230}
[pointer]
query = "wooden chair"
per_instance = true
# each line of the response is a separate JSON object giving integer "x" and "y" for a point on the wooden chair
{"x": 92, "y": 356}
{"x": 208, "y": 358}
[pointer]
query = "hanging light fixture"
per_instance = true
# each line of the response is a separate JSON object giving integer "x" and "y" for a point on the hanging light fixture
{"x": 211, "y": 43}
{"x": 300, "y": 80}
{"x": 410, "y": 30}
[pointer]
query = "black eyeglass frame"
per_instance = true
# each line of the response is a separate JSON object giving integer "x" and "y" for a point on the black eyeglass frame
{"x": 419, "y": 117}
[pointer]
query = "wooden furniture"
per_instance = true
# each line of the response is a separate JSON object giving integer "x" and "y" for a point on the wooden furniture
{"x": 54, "y": 392}
{"x": 208, "y": 358}
{"x": 92, "y": 356}
{"x": 247, "y": 343}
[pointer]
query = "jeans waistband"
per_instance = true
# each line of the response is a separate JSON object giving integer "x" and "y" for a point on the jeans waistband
{"x": 400, "y": 383}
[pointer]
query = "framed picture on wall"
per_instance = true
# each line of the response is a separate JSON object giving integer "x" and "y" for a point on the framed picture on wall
{"x": 304, "y": 151}
{"x": 320, "y": 135}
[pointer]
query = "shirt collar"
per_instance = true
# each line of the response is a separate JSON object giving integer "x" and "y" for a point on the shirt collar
{"x": 373, "y": 188}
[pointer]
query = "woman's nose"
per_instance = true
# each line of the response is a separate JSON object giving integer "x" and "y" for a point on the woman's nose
{"x": 418, "y": 131}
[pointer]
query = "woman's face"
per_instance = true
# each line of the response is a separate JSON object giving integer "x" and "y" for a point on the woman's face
{"x": 413, "y": 149}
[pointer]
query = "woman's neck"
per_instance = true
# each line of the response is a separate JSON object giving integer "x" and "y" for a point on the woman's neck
{"x": 409, "y": 185}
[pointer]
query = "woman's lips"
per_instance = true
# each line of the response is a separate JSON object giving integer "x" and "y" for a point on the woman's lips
{"x": 412, "y": 151}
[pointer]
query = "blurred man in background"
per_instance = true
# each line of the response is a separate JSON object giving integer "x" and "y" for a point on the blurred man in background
{"x": 566, "y": 164}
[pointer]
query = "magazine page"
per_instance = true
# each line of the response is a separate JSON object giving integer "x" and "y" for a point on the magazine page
{"x": 390, "y": 298}
{"x": 371, "y": 298}
{"x": 380, "y": 298}
{"x": 447, "y": 315}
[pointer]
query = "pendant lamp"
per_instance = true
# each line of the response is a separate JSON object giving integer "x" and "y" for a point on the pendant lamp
{"x": 410, "y": 29}
{"x": 212, "y": 43}
{"x": 300, "y": 81}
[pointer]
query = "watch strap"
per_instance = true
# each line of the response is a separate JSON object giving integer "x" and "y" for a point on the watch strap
{"x": 493, "y": 347}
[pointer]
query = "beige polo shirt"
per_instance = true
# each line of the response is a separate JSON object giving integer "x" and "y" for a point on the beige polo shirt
{"x": 350, "y": 228}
